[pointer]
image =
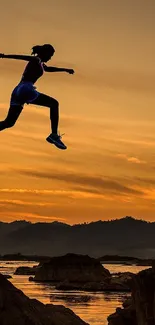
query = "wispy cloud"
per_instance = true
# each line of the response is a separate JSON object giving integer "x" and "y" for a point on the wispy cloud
{"x": 25, "y": 203}
{"x": 134, "y": 160}
{"x": 98, "y": 182}
{"x": 33, "y": 217}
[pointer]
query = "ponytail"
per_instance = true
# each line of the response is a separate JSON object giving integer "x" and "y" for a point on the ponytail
{"x": 38, "y": 49}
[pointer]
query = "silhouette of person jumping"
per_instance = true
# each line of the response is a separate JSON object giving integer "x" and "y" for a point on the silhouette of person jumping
{"x": 25, "y": 91}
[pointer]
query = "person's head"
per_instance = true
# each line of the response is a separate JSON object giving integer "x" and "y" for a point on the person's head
{"x": 45, "y": 52}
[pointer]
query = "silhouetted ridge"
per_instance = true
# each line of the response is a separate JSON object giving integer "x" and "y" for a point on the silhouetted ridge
{"x": 125, "y": 236}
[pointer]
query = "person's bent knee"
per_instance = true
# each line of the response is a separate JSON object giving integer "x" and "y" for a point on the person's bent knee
{"x": 54, "y": 103}
{"x": 9, "y": 124}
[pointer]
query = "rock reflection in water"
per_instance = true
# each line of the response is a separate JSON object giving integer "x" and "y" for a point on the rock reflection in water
{"x": 118, "y": 296}
{"x": 73, "y": 298}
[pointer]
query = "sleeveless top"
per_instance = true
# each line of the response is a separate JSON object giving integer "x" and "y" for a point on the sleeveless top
{"x": 33, "y": 71}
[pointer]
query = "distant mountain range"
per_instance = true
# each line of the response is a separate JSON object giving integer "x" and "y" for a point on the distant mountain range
{"x": 126, "y": 236}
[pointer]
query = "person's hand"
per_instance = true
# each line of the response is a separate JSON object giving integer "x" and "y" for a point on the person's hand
{"x": 1, "y": 55}
{"x": 70, "y": 71}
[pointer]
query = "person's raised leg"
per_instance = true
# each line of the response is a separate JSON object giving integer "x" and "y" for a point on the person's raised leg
{"x": 52, "y": 103}
{"x": 12, "y": 116}
{"x": 44, "y": 100}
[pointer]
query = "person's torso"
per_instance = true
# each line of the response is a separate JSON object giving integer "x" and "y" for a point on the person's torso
{"x": 33, "y": 71}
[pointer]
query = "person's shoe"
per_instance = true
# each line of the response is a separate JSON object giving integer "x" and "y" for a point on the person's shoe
{"x": 56, "y": 140}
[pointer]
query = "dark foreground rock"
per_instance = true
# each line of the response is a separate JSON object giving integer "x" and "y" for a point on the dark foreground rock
{"x": 17, "y": 309}
{"x": 140, "y": 309}
{"x": 7, "y": 276}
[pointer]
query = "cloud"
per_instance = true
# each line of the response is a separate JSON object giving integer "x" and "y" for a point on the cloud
{"x": 30, "y": 191}
{"x": 100, "y": 183}
{"x": 146, "y": 180}
{"x": 131, "y": 159}
{"x": 11, "y": 216}
{"x": 16, "y": 202}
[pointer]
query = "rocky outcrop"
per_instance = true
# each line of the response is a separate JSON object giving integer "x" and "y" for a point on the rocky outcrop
{"x": 73, "y": 268}
{"x": 17, "y": 309}
{"x": 25, "y": 270}
{"x": 126, "y": 260}
{"x": 112, "y": 284}
{"x": 124, "y": 316}
{"x": 121, "y": 281}
{"x": 88, "y": 286}
{"x": 81, "y": 272}
{"x": 140, "y": 309}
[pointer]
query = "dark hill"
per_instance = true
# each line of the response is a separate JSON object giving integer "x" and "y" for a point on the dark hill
{"x": 126, "y": 236}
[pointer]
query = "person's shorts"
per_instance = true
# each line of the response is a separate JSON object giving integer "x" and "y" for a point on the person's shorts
{"x": 24, "y": 92}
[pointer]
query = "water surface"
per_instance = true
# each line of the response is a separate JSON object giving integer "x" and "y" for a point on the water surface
{"x": 93, "y": 308}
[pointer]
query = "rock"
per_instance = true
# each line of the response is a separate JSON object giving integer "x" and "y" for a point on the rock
{"x": 77, "y": 269}
{"x": 93, "y": 286}
{"x": 125, "y": 260}
{"x": 25, "y": 270}
{"x": 140, "y": 309}
{"x": 115, "y": 285}
{"x": 143, "y": 293}
{"x": 128, "y": 302}
{"x": 124, "y": 276}
{"x": 17, "y": 309}
{"x": 153, "y": 266}
{"x": 122, "y": 281}
{"x": 7, "y": 276}
{"x": 88, "y": 286}
{"x": 123, "y": 317}
{"x": 118, "y": 282}
{"x": 81, "y": 272}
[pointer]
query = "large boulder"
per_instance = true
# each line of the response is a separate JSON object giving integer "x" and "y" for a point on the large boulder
{"x": 72, "y": 268}
{"x": 81, "y": 272}
{"x": 140, "y": 310}
{"x": 17, "y": 309}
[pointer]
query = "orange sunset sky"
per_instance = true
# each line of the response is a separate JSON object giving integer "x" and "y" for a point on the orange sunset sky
{"x": 107, "y": 112}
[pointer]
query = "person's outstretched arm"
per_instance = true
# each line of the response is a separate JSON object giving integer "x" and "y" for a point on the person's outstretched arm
{"x": 55, "y": 69}
{"x": 17, "y": 57}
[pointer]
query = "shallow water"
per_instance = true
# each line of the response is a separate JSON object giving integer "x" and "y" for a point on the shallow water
{"x": 94, "y": 307}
